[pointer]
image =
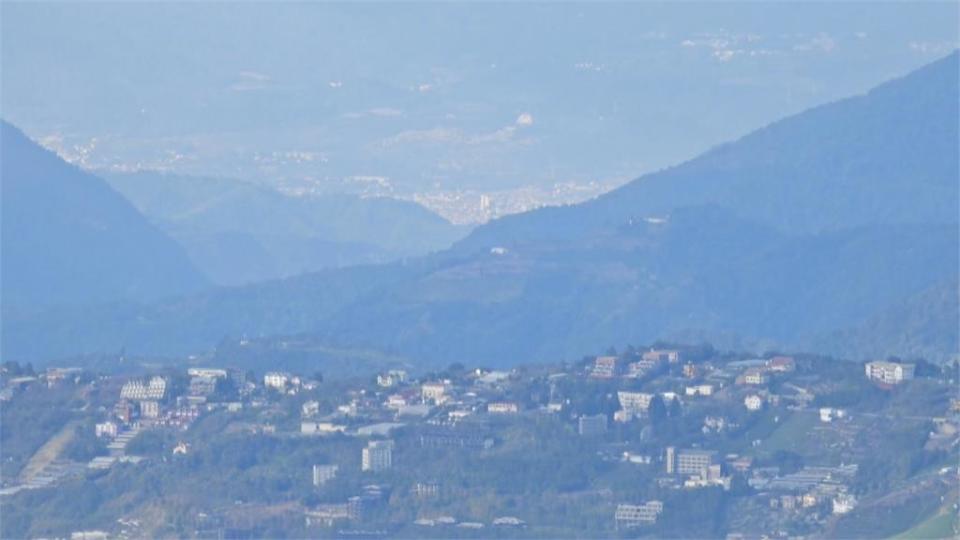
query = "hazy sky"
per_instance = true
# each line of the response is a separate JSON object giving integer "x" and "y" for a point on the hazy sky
{"x": 420, "y": 97}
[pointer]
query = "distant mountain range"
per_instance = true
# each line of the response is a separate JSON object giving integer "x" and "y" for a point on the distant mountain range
{"x": 834, "y": 230}
{"x": 239, "y": 233}
{"x": 68, "y": 238}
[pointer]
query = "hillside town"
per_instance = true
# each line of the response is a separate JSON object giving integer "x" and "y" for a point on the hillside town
{"x": 786, "y": 444}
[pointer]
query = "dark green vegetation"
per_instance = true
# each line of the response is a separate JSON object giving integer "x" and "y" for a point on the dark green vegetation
{"x": 238, "y": 232}
{"x": 68, "y": 238}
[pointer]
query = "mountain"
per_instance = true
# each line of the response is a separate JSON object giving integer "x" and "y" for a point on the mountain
{"x": 819, "y": 223}
{"x": 886, "y": 157}
{"x": 68, "y": 238}
{"x": 239, "y": 232}
{"x": 924, "y": 325}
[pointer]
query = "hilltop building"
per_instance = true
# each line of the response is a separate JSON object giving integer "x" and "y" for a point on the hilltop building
{"x": 889, "y": 372}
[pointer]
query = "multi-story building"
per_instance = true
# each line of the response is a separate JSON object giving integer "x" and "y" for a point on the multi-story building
{"x": 377, "y": 456}
{"x": 149, "y": 409}
{"x": 106, "y": 429}
{"x": 444, "y": 437}
{"x": 590, "y": 426}
{"x": 753, "y": 402}
{"x": 634, "y": 403}
{"x": 434, "y": 391}
{"x": 754, "y": 376}
{"x": 138, "y": 390}
{"x": 392, "y": 378}
{"x": 321, "y": 428}
{"x": 889, "y": 372}
{"x": 695, "y": 461}
{"x": 425, "y": 489}
{"x": 781, "y": 364}
{"x": 276, "y": 380}
{"x": 605, "y": 367}
{"x": 310, "y": 408}
{"x": 670, "y": 459}
{"x": 213, "y": 373}
{"x": 503, "y": 407}
{"x": 662, "y": 355}
{"x": 124, "y": 411}
{"x": 699, "y": 390}
{"x": 324, "y": 473}
{"x": 635, "y": 515}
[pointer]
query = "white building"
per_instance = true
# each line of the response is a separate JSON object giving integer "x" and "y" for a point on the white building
{"x": 591, "y": 426}
{"x": 149, "y": 409}
{"x": 310, "y": 408}
{"x": 753, "y": 402}
{"x": 699, "y": 390}
{"x": 635, "y": 515}
{"x": 324, "y": 473}
{"x": 889, "y": 372}
{"x": 828, "y": 414}
{"x": 213, "y": 373}
{"x": 106, "y": 429}
{"x": 377, "y": 456}
{"x": 277, "y": 380}
{"x": 844, "y": 503}
{"x": 392, "y": 378}
{"x": 754, "y": 376}
{"x": 321, "y": 428}
{"x": 503, "y": 407}
{"x": 137, "y": 390}
{"x": 635, "y": 403}
{"x": 434, "y": 391}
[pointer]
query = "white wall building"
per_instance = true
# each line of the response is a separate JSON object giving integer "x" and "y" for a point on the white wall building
{"x": 889, "y": 372}
{"x": 377, "y": 456}
{"x": 324, "y": 473}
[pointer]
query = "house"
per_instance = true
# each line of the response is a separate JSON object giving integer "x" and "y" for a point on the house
{"x": 781, "y": 364}
{"x": 690, "y": 371}
{"x": 753, "y": 402}
{"x": 605, "y": 367}
{"x": 634, "y": 515}
{"x": 889, "y": 372}
{"x": 395, "y": 402}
